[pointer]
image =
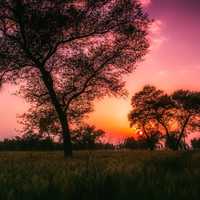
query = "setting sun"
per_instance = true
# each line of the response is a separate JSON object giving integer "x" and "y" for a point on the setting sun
{"x": 140, "y": 133}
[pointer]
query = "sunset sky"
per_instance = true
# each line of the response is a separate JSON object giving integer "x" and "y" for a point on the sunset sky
{"x": 173, "y": 62}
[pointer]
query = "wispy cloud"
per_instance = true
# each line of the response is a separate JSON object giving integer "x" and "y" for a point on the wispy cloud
{"x": 156, "y": 27}
{"x": 156, "y": 34}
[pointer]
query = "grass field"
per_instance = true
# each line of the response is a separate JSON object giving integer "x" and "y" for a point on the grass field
{"x": 100, "y": 175}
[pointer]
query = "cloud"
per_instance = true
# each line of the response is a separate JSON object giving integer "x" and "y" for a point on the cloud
{"x": 156, "y": 43}
{"x": 145, "y": 3}
{"x": 156, "y": 34}
{"x": 156, "y": 27}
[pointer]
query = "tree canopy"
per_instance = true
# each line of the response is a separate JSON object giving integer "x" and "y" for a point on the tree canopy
{"x": 64, "y": 54}
{"x": 159, "y": 115}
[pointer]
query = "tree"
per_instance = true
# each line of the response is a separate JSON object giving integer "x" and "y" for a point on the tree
{"x": 195, "y": 143}
{"x": 87, "y": 136}
{"x": 151, "y": 113}
{"x": 151, "y": 138}
{"x": 172, "y": 141}
{"x": 59, "y": 51}
{"x": 131, "y": 143}
{"x": 187, "y": 113}
{"x": 141, "y": 142}
{"x": 177, "y": 114}
{"x": 28, "y": 141}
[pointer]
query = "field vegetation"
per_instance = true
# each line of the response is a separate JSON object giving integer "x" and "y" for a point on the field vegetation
{"x": 100, "y": 175}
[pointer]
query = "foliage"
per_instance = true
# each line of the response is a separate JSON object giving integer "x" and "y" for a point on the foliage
{"x": 151, "y": 113}
{"x": 195, "y": 143}
{"x": 142, "y": 142}
{"x": 29, "y": 141}
{"x": 172, "y": 142}
{"x": 172, "y": 116}
{"x": 187, "y": 112}
{"x": 59, "y": 54}
{"x": 132, "y": 143}
{"x": 87, "y": 137}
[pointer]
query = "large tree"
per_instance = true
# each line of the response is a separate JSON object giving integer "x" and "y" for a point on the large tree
{"x": 64, "y": 53}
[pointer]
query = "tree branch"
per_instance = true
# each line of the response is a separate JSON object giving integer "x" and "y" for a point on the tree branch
{"x": 89, "y": 79}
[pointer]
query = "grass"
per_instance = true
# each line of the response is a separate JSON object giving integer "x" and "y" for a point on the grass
{"x": 100, "y": 175}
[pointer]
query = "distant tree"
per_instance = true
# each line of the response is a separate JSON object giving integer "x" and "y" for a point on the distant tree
{"x": 87, "y": 137}
{"x": 130, "y": 143}
{"x": 28, "y": 141}
{"x": 187, "y": 113}
{"x": 151, "y": 113}
{"x": 141, "y": 142}
{"x": 64, "y": 54}
{"x": 195, "y": 143}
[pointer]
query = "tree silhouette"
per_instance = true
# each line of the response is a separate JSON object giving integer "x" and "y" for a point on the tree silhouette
{"x": 151, "y": 138}
{"x": 151, "y": 113}
{"x": 87, "y": 136}
{"x": 29, "y": 141}
{"x": 64, "y": 54}
{"x": 131, "y": 143}
{"x": 195, "y": 143}
{"x": 187, "y": 112}
{"x": 177, "y": 114}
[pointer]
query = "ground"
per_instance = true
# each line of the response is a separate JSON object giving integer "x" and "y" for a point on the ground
{"x": 100, "y": 175}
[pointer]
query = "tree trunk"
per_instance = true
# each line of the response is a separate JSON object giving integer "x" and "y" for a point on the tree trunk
{"x": 183, "y": 129}
{"x": 166, "y": 130}
{"x": 67, "y": 145}
{"x": 48, "y": 81}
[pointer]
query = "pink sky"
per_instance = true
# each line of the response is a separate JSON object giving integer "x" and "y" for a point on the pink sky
{"x": 172, "y": 63}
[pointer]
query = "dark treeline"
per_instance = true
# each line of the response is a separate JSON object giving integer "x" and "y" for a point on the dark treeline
{"x": 143, "y": 144}
{"x": 35, "y": 142}
{"x": 84, "y": 138}
{"x": 195, "y": 143}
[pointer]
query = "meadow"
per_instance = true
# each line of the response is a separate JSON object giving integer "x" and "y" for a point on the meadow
{"x": 100, "y": 175}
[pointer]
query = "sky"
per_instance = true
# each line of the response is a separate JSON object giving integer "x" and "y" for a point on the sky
{"x": 173, "y": 62}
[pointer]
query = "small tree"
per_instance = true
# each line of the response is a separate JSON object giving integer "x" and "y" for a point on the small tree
{"x": 195, "y": 143}
{"x": 69, "y": 52}
{"x": 87, "y": 136}
{"x": 131, "y": 143}
{"x": 151, "y": 113}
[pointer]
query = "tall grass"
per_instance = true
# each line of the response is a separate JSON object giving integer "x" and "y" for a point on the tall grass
{"x": 100, "y": 175}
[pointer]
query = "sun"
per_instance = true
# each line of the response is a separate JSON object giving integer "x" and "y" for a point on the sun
{"x": 140, "y": 133}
